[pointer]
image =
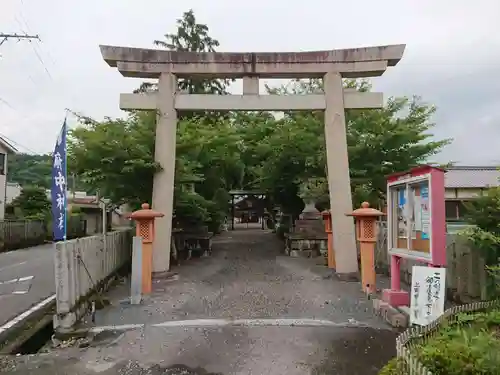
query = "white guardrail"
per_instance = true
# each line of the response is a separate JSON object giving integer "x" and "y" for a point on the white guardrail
{"x": 82, "y": 266}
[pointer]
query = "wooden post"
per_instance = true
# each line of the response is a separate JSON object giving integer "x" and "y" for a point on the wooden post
{"x": 327, "y": 218}
{"x": 366, "y": 233}
{"x": 145, "y": 221}
{"x": 232, "y": 212}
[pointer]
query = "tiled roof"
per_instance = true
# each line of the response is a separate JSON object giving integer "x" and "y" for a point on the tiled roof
{"x": 472, "y": 177}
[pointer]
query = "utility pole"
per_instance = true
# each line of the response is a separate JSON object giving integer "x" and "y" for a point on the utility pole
{"x": 5, "y": 37}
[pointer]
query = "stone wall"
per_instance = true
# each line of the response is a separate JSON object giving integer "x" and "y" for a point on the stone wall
{"x": 304, "y": 247}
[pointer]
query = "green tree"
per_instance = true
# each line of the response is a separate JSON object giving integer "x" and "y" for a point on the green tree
{"x": 116, "y": 157}
{"x": 380, "y": 142}
{"x": 36, "y": 170}
{"x": 27, "y": 169}
{"x": 484, "y": 211}
{"x": 192, "y": 36}
{"x": 32, "y": 203}
{"x": 483, "y": 214}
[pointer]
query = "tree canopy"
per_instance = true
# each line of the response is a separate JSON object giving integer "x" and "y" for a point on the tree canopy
{"x": 27, "y": 169}
{"x": 280, "y": 154}
{"x": 32, "y": 203}
{"x": 35, "y": 170}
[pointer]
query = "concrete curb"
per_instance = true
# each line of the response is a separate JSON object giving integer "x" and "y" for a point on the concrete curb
{"x": 395, "y": 317}
{"x": 9, "y": 332}
{"x": 218, "y": 323}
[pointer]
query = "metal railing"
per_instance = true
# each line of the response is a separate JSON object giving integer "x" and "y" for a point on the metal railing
{"x": 82, "y": 267}
{"x": 407, "y": 342}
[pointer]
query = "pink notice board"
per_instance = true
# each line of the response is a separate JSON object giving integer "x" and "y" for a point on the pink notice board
{"x": 416, "y": 225}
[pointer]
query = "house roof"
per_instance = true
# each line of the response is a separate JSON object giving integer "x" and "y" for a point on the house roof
{"x": 9, "y": 147}
{"x": 85, "y": 200}
{"x": 472, "y": 177}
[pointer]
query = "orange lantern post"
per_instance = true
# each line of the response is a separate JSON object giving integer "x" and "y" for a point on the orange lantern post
{"x": 366, "y": 233}
{"x": 327, "y": 218}
{"x": 145, "y": 228}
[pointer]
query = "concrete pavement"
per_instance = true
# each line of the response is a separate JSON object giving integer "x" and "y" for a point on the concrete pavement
{"x": 26, "y": 278}
{"x": 245, "y": 310}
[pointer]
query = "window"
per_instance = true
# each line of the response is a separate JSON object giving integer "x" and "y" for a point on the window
{"x": 451, "y": 208}
{"x": 462, "y": 210}
{"x": 455, "y": 210}
{"x": 2, "y": 164}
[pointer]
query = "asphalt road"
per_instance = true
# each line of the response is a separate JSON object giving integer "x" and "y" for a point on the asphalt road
{"x": 26, "y": 278}
{"x": 247, "y": 309}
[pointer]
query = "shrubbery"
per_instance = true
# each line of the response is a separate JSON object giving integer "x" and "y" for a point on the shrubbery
{"x": 393, "y": 367}
{"x": 470, "y": 346}
{"x": 484, "y": 215}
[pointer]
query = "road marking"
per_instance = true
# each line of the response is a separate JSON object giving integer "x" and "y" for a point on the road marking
{"x": 12, "y": 265}
{"x": 21, "y": 279}
{"x": 26, "y": 278}
{"x": 194, "y": 323}
{"x": 26, "y": 314}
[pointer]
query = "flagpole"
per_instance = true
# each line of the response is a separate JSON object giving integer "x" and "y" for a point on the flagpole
{"x": 66, "y": 177}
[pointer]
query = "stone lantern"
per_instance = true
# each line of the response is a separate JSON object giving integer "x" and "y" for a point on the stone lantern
{"x": 145, "y": 228}
{"x": 366, "y": 234}
{"x": 310, "y": 191}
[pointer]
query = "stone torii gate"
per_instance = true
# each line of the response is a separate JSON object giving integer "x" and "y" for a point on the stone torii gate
{"x": 332, "y": 66}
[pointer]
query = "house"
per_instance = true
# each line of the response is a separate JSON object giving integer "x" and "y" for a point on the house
{"x": 91, "y": 211}
{"x": 119, "y": 216}
{"x": 463, "y": 184}
{"x": 5, "y": 149}
{"x": 88, "y": 205}
{"x": 12, "y": 191}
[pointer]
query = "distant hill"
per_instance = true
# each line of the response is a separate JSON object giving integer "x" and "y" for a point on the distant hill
{"x": 26, "y": 169}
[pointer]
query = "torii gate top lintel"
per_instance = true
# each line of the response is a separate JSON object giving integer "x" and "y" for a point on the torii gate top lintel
{"x": 351, "y": 62}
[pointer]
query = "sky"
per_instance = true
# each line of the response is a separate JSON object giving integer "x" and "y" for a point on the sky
{"x": 452, "y": 58}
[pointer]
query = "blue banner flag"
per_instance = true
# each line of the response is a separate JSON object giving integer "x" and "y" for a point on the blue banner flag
{"x": 58, "y": 187}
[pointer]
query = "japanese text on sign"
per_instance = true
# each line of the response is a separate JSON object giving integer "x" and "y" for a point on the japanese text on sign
{"x": 427, "y": 304}
{"x": 58, "y": 187}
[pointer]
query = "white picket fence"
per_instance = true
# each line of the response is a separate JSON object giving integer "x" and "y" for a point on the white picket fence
{"x": 82, "y": 267}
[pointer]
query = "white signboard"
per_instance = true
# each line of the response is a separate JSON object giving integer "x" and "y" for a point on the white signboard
{"x": 427, "y": 294}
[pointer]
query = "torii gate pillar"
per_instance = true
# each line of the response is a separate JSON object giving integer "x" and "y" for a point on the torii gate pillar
{"x": 339, "y": 182}
{"x": 163, "y": 185}
{"x": 332, "y": 66}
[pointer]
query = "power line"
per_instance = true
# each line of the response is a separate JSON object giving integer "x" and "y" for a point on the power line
{"x": 7, "y": 104}
{"x": 41, "y": 61}
{"x": 4, "y": 37}
{"x": 17, "y": 143}
{"x": 35, "y": 50}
